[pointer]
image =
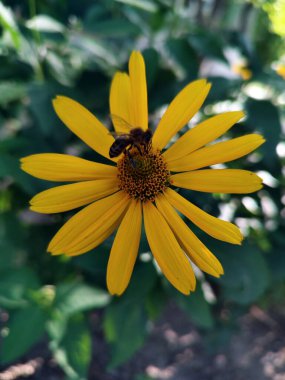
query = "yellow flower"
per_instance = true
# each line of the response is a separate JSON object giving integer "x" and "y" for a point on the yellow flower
{"x": 280, "y": 70}
{"x": 138, "y": 185}
{"x": 242, "y": 70}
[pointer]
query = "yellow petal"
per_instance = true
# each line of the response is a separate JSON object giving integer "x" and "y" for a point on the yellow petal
{"x": 97, "y": 240}
{"x": 232, "y": 181}
{"x": 84, "y": 124}
{"x": 218, "y": 153}
{"x": 182, "y": 108}
{"x": 87, "y": 229}
{"x": 217, "y": 228}
{"x": 125, "y": 250}
{"x": 120, "y": 102}
{"x": 62, "y": 167}
{"x": 194, "y": 248}
{"x": 205, "y": 132}
{"x": 68, "y": 197}
{"x": 166, "y": 250}
{"x": 139, "y": 108}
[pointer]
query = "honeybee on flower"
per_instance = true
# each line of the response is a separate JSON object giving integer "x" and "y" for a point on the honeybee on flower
{"x": 139, "y": 183}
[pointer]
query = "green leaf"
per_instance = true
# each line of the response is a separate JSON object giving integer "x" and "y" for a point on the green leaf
{"x": 13, "y": 144}
{"x": 5, "y": 204}
{"x": 246, "y": 273}
{"x": 95, "y": 13}
{"x": 151, "y": 62}
{"x": 94, "y": 49}
{"x": 136, "y": 290}
{"x": 143, "y": 377}
{"x": 10, "y": 167}
{"x": 222, "y": 88}
{"x": 74, "y": 297}
{"x": 41, "y": 96}
{"x": 26, "y": 327}
{"x": 44, "y": 23}
{"x": 156, "y": 302}
{"x": 60, "y": 68}
{"x": 11, "y": 91}
{"x": 184, "y": 57}
{"x": 125, "y": 329}
{"x": 196, "y": 307}
{"x": 146, "y": 5}
{"x": 56, "y": 327}
{"x": 94, "y": 263}
{"x": 262, "y": 116}
{"x": 14, "y": 69}
{"x": 208, "y": 44}
{"x": 14, "y": 286}
{"x": 8, "y": 23}
{"x": 74, "y": 351}
{"x": 276, "y": 263}
{"x": 114, "y": 28}
{"x": 10, "y": 247}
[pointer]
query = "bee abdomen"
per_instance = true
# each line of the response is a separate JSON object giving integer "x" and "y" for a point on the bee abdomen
{"x": 118, "y": 146}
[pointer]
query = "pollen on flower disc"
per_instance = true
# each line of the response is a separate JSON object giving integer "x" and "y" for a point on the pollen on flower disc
{"x": 143, "y": 176}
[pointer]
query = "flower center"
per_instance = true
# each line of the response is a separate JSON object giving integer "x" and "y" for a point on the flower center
{"x": 143, "y": 176}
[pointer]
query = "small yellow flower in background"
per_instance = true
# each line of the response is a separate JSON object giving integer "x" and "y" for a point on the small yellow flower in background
{"x": 137, "y": 187}
{"x": 280, "y": 70}
{"x": 242, "y": 70}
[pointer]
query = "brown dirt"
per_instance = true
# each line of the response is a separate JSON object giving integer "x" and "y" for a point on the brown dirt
{"x": 176, "y": 350}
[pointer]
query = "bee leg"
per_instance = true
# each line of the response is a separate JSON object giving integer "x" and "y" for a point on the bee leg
{"x": 127, "y": 152}
{"x": 138, "y": 148}
{"x": 146, "y": 147}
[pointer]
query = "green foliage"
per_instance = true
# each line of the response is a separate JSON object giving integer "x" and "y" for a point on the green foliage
{"x": 125, "y": 329}
{"x": 73, "y": 350}
{"x": 276, "y": 13}
{"x": 246, "y": 273}
{"x": 11, "y": 91}
{"x": 126, "y": 318}
{"x": 73, "y": 48}
{"x": 9, "y": 227}
{"x": 9, "y": 25}
{"x": 25, "y": 328}
{"x": 15, "y": 285}
{"x": 197, "y": 308}
{"x": 264, "y": 114}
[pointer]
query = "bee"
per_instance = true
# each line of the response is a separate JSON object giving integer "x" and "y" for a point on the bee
{"x": 124, "y": 142}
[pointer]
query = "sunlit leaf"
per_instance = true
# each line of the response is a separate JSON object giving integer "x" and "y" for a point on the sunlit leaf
{"x": 74, "y": 297}
{"x": 8, "y": 23}
{"x": 94, "y": 49}
{"x": 44, "y": 23}
{"x": 146, "y": 5}
{"x": 73, "y": 353}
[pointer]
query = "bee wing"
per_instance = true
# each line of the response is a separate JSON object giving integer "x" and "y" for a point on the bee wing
{"x": 118, "y": 134}
{"x": 120, "y": 122}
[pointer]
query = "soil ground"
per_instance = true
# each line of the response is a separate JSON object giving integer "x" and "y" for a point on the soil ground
{"x": 175, "y": 350}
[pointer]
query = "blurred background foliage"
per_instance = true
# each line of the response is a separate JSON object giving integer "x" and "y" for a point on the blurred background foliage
{"x": 73, "y": 48}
